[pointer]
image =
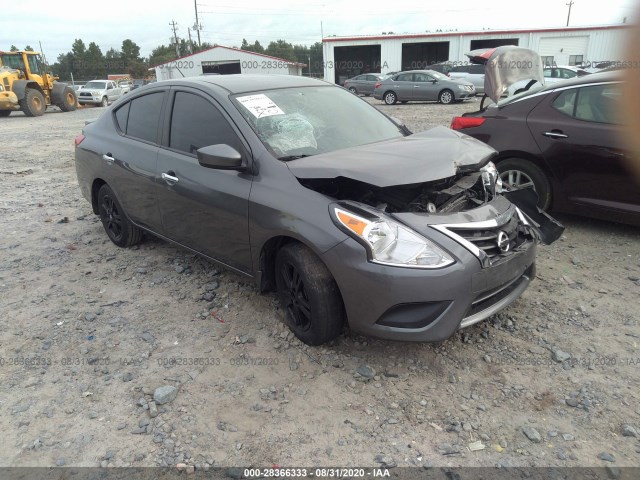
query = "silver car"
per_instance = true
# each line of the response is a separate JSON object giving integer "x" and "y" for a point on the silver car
{"x": 99, "y": 92}
{"x": 471, "y": 73}
{"x": 422, "y": 85}
{"x": 363, "y": 84}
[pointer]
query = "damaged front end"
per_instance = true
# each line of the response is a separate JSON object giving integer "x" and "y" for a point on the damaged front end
{"x": 471, "y": 207}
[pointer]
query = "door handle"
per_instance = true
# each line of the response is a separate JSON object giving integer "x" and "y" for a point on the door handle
{"x": 169, "y": 178}
{"x": 416, "y": 86}
{"x": 108, "y": 158}
{"x": 555, "y": 134}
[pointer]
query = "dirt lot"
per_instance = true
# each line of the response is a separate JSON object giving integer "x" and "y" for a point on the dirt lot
{"x": 88, "y": 331}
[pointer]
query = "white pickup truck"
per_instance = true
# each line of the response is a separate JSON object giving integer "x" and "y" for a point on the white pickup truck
{"x": 99, "y": 92}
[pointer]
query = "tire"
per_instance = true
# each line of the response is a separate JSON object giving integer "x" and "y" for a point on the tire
{"x": 119, "y": 228}
{"x": 446, "y": 97}
{"x": 390, "y": 98}
{"x": 353, "y": 90}
{"x": 308, "y": 295}
{"x": 69, "y": 100}
{"x": 520, "y": 173}
{"x": 5, "y": 113}
{"x": 104, "y": 102}
{"x": 33, "y": 103}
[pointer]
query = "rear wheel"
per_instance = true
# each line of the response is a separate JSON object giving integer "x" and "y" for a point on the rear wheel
{"x": 114, "y": 220}
{"x": 390, "y": 98}
{"x": 446, "y": 97}
{"x": 519, "y": 173}
{"x": 5, "y": 113}
{"x": 353, "y": 90}
{"x": 105, "y": 102}
{"x": 33, "y": 103}
{"x": 69, "y": 101}
{"x": 309, "y": 295}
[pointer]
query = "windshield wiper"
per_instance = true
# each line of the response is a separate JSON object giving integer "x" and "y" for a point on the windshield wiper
{"x": 286, "y": 158}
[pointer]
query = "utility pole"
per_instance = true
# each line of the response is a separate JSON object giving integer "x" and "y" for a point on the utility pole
{"x": 570, "y": 4}
{"x": 190, "y": 41}
{"x": 197, "y": 25}
{"x": 173, "y": 25}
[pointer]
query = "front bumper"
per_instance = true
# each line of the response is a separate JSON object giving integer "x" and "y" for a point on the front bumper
{"x": 409, "y": 304}
{"x": 9, "y": 101}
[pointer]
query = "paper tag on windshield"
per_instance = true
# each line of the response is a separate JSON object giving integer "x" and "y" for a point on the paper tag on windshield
{"x": 260, "y": 105}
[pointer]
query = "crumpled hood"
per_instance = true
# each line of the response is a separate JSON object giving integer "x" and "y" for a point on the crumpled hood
{"x": 423, "y": 157}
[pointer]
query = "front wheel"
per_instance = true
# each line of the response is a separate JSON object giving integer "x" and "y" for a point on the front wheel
{"x": 446, "y": 97}
{"x": 105, "y": 102}
{"x": 353, "y": 90}
{"x": 390, "y": 98}
{"x": 33, "y": 103}
{"x": 69, "y": 100}
{"x": 114, "y": 220}
{"x": 519, "y": 173}
{"x": 309, "y": 295}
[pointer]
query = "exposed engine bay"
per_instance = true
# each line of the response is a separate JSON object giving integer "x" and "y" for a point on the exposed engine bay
{"x": 461, "y": 192}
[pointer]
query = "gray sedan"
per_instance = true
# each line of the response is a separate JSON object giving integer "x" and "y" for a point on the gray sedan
{"x": 315, "y": 194}
{"x": 421, "y": 85}
{"x": 363, "y": 84}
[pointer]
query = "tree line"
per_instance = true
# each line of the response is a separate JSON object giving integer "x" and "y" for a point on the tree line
{"x": 85, "y": 62}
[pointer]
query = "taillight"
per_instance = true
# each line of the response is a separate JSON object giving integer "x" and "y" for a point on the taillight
{"x": 377, "y": 85}
{"x": 79, "y": 139}
{"x": 460, "y": 123}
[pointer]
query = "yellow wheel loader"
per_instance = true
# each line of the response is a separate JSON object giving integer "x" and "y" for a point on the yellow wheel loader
{"x": 26, "y": 86}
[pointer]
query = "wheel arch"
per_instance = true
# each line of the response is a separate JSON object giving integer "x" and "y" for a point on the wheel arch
{"x": 19, "y": 87}
{"x": 95, "y": 188}
{"x": 537, "y": 161}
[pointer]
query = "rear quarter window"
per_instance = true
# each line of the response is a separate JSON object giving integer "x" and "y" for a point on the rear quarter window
{"x": 121, "y": 116}
{"x": 144, "y": 114}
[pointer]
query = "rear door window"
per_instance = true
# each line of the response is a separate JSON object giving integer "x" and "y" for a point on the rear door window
{"x": 405, "y": 77}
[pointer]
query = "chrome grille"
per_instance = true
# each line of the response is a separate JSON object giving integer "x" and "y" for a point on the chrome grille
{"x": 486, "y": 239}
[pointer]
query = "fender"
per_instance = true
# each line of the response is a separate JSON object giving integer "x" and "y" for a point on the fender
{"x": 19, "y": 87}
{"x": 57, "y": 93}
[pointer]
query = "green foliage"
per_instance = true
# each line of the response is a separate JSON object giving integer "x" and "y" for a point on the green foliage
{"x": 281, "y": 49}
{"x": 89, "y": 62}
{"x": 28, "y": 49}
{"x": 13, "y": 48}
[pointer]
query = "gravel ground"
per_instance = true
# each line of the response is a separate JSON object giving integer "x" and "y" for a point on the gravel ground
{"x": 153, "y": 356}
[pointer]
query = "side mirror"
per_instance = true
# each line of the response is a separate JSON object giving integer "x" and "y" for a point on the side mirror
{"x": 221, "y": 156}
{"x": 434, "y": 81}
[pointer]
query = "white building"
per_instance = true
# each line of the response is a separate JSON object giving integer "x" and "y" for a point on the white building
{"x": 226, "y": 60}
{"x": 345, "y": 57}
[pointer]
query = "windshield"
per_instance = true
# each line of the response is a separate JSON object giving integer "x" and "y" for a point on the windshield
{"x": 12, "y": 60}
{"x": 307, "y": 121}
{"x": 438, "y": 75}
{"x": 96, "y": 85}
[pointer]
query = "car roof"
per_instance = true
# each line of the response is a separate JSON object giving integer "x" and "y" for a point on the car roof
{"x": 586, "y": 80}
{"x": 243, "y": 82}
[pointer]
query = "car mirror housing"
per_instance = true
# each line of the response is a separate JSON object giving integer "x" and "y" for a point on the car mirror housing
{"x": 221, "y": 156}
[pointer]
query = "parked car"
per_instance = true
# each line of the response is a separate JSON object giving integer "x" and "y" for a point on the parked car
{"x": 566, "y": 142}
{"x": 125, "y": 86}
{"x": 314, "y": 193}
{"x": 471, "y": 73}
{"x": 551, "y": 75}
{"x": 363, "y": 84}
{"x": 442, "y": 67}
{"x": 420, "y": 85}
{"x": 99, "y": 92}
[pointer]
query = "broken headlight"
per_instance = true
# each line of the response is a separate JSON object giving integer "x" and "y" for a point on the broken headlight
{"x": 391, "y": 243}
{"x": 491, "y": 176}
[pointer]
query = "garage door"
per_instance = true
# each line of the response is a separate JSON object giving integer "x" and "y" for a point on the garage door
{"x": 561, "y": 48}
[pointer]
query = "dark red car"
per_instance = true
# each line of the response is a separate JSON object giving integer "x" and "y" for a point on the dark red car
{"x": 566, "y": 141}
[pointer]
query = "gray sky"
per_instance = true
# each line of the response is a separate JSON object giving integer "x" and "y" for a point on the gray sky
{"x": 147, "y": 23}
